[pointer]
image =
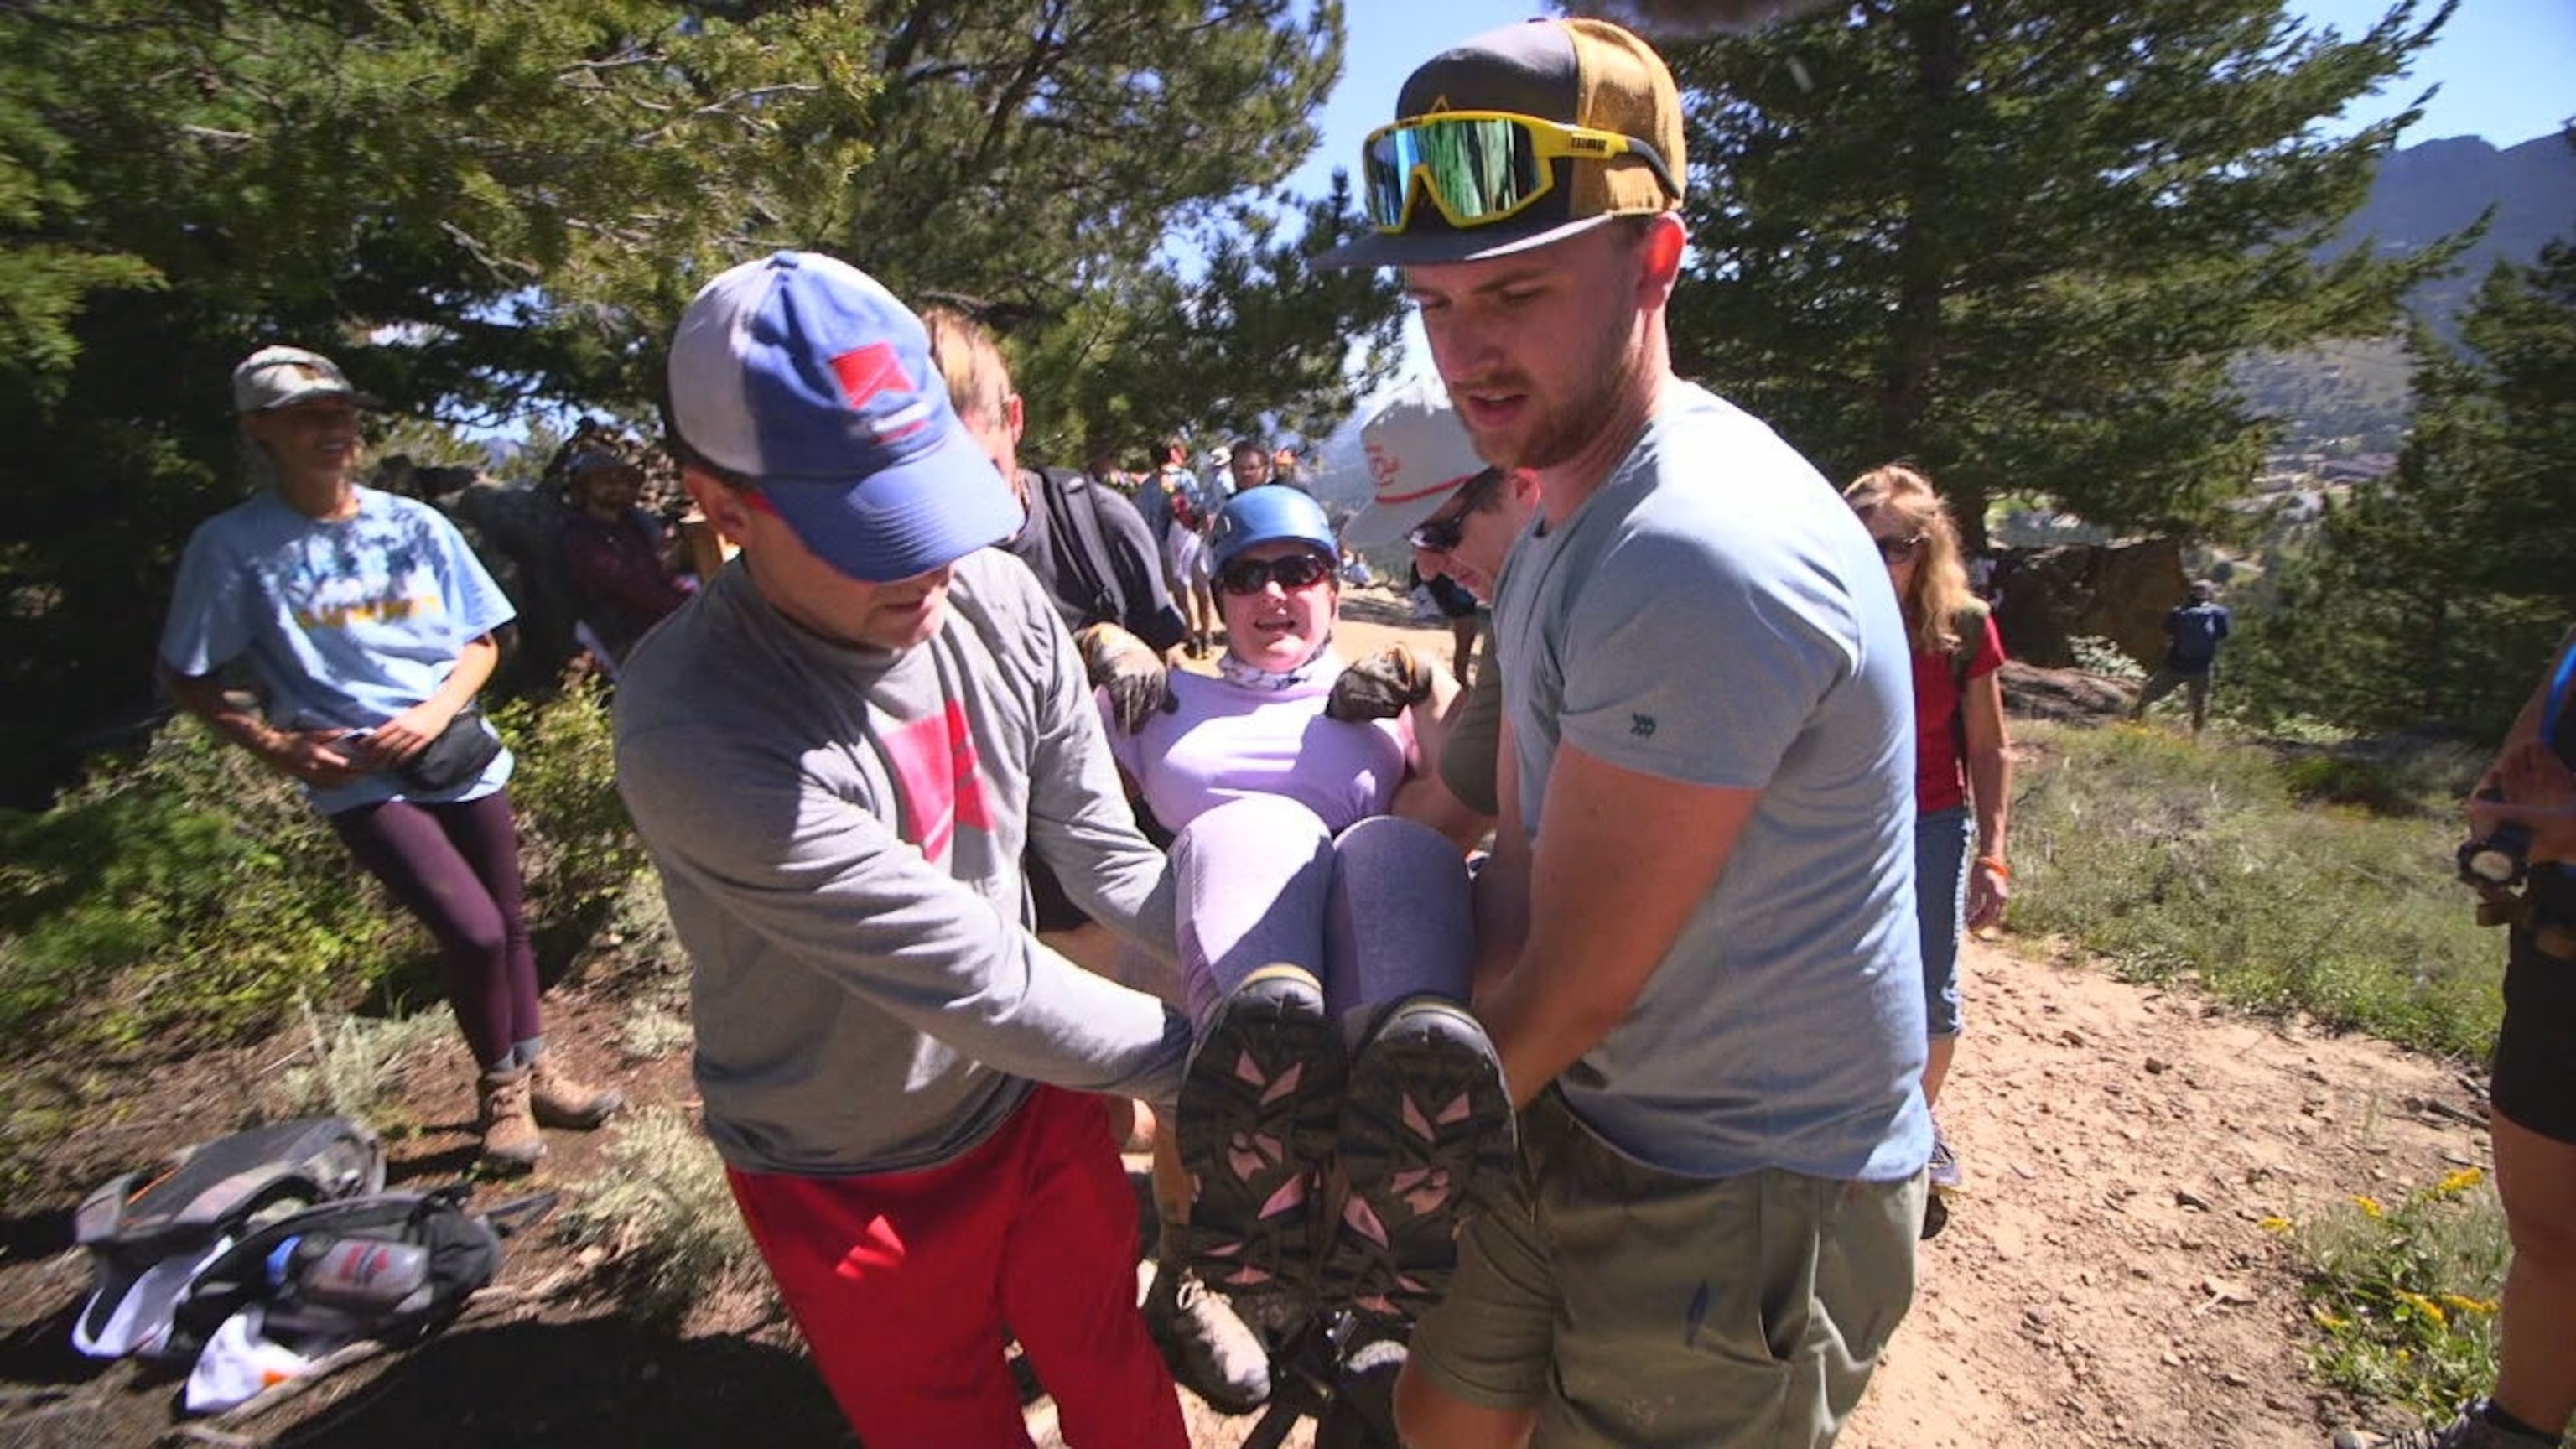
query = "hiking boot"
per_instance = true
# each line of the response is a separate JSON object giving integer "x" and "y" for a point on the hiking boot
{"x": 1210, "y": 1350}
{"x": 2471, "y": 1430}
{"x": 560, "y": 1100}
{"x": 1256, "y": 1121}
{"x": 1943, "y": 1174}
{"x": 508, "y": 1122}
{"x": 1427, "y": 1140}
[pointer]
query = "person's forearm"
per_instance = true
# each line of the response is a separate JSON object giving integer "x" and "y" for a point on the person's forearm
{"x": 201, "y": 696}
{"x": 474, "y": 666}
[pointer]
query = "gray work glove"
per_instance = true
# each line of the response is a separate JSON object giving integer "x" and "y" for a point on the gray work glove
{"x": 1380, "y": 686}
{"x": 1120, "y": 663}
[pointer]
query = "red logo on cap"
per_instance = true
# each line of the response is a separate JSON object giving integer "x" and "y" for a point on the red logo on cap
{"x": 871, "y": 371}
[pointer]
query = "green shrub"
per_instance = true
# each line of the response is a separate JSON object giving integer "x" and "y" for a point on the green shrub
{"x": 667, "y": 1219}
{"x": 2175, "y": 859}
{"x": 2404, "y": 1297}
{"x": 577, "y": 850}
{"x": 190, "y": 890}
{"x": 190, "y": 894}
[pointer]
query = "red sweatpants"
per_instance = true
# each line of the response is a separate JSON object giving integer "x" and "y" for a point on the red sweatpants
{"x": 902, "y": 1282}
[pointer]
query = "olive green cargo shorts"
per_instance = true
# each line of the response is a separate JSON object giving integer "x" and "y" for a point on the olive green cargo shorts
{"x": 1633, "y": 1307}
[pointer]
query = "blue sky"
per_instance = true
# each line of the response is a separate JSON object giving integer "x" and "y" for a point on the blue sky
{"x": 2507, "y": 68}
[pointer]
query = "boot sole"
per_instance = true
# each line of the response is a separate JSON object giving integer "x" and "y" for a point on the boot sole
{"x": 1238, "y": 1086}
{"x": 1426, "y": 1096}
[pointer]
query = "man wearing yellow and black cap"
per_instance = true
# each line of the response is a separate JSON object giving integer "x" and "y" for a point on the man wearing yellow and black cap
{"x": 1697, "y": 926}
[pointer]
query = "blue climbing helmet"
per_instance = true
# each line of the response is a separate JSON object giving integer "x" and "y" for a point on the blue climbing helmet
{"x": 1267, "y": 514}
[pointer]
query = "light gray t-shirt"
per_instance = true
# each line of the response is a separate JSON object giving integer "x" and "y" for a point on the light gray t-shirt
{"x": 839, "y": 834}
{"x": 1716, "y": 615}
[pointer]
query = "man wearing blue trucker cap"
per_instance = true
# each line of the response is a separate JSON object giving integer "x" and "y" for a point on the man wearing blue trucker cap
{"x": 1698, "y": 921}
{"x": 836, "y": 754}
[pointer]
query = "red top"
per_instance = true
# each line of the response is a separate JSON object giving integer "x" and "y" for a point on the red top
{"x": 1940, "y": 776}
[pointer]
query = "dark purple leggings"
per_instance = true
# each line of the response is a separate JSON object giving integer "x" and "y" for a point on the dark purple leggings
{"x": 456, "y": 869}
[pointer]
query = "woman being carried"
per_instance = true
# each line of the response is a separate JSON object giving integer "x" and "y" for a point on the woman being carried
{"x": 1325, "y": 954}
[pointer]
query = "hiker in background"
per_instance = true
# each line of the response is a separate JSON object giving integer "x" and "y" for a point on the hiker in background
{"x": 1458, "y": 516}
{"x": 2531, "y": 1098}
{"x": 1700, "y": 967}
{"x": 1164, "y": 476}
{"x": 1193, "y": 506}
{"x": 627, "y": 570}
{"x": 1088, "y": 545}
{"x": 1962, "y": 756}
{"x": 1248, "y": 465}
{"x": 1089, "y": 548}
{"x": 2193, "y": 632}
{"x": 368, "y": 625}
{"x": 836, "y": 757}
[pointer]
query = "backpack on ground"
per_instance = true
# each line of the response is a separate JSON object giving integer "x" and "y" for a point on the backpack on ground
{"x": 388, "y": 1268}
{"x": 148, "y": 1236}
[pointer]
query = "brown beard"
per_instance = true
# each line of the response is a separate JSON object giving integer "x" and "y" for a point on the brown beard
{"x": 1571, "y": 426}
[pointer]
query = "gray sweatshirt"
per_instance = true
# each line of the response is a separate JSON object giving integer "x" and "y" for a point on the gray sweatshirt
{"x": 839, "y": 834}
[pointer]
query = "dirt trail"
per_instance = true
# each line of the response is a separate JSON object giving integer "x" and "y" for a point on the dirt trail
{"x": 2102, "y": 1281}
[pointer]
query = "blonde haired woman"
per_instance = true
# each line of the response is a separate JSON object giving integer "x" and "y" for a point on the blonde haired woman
{"x": 1962, "y": 750}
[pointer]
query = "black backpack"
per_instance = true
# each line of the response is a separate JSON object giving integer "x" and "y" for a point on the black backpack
{"x": 390, "y": 1266}
{"x": 148, "y": 1231}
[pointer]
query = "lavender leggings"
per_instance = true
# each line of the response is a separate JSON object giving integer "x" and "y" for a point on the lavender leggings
{"x": 1377, "y": 913}
{"x": 456, "y": 869}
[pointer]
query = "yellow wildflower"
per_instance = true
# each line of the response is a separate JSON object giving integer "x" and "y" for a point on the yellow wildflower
{"x": 2369, "y": 1206}
{"x": 2459, "y": 1182}
{"x": 2423, "y": 1306}
{"x": 2463, "y": 1304}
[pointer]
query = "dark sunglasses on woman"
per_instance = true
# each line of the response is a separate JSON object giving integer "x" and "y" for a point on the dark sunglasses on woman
{"x": 1252, "y": 575}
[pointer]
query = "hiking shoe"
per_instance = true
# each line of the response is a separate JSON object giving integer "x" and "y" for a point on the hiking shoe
{"x": 508, "y": 1122}
{"x": 2471, "y": 1430}
{"x": 558, "y": 1099}
{"x": 1427, "y": 1141}
{"x": 1943, "y": 1175}
{"x": 1936, "y": 1216}
{"x": 1210, "y": 1350}
{"x": 1256, "y": 1122}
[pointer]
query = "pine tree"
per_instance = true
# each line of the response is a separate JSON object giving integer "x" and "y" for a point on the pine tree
{"x": 2437, "y": 594}
{"x": 2018, "y": 242}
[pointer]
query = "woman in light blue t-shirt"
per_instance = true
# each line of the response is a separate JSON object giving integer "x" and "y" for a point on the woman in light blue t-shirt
{"x": 368, "y": 626}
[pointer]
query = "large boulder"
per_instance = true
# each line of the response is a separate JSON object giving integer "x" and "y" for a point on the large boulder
{"x": 2069, "y": 696}
{"x": 2050, "y": 597}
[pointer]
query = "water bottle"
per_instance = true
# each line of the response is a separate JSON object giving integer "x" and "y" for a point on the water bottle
{"x": 359, "y": 1274}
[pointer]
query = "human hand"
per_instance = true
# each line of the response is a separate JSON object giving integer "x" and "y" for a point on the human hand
{"x": 408, "y": 733}
{"x": 1138, "y": 682}
{"x": 1381, "y": 686}
{"x": 324, "y": 759}
{"x": 2529, "y": 786}
{"x": 1989, "y": 890}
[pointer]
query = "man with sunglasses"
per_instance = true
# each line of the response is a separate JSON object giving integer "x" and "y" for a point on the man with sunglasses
{"x": 1701, "y": 969}
{"x": 1459, "y": 517}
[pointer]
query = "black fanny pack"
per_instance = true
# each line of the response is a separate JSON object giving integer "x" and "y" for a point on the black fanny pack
{"x": 456, "y": 757}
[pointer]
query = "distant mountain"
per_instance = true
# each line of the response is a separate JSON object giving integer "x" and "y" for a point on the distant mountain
{"x": 2354, "y": 394}
{"x": 2430, "y": 190}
